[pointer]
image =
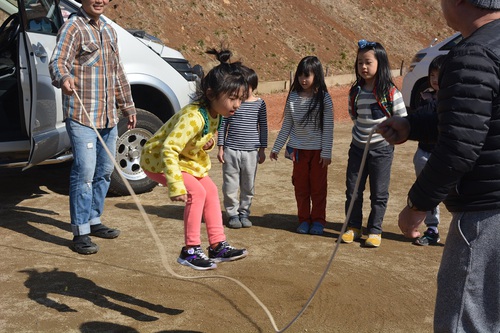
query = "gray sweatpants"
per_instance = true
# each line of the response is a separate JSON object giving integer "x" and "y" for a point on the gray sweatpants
{"x": 419, "y": 161}
{"x": 468, "y": 295}
{"x": 239, "y": 170}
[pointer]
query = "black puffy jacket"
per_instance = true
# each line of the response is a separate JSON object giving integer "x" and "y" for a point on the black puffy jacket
{"x": 464, "y": 168}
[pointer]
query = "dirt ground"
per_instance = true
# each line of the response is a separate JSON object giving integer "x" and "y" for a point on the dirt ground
{"x": 125, "y": 287}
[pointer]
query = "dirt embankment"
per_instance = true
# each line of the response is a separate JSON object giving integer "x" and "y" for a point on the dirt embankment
{"x": 272, "y": 36}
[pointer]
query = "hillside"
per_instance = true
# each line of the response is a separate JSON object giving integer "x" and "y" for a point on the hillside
{"x": 273, "y": 35}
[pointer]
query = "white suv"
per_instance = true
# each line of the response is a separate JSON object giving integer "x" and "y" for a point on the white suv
{"x": 32, "y": 130}
{"x": 416, "y": 79}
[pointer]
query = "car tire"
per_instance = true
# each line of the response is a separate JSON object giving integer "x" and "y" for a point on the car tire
{"x": 128, "y": 154}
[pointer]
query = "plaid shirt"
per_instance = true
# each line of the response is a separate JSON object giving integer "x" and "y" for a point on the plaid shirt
{"x": 88, "y": 52}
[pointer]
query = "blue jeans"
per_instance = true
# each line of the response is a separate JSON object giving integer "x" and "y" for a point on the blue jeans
{"x": 378, "y": 168}
{"x": 90, "y": 174}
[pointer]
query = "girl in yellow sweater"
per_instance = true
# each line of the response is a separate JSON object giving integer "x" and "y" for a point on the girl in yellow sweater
{"x": 177, "y": 157}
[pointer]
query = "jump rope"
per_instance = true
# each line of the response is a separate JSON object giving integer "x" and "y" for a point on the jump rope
{"x": 161, "y": 248}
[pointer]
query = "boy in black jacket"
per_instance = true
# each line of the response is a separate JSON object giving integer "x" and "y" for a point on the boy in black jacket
{"x": 428, "y": 103}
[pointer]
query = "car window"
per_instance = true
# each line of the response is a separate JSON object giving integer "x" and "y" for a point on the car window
{"x": 43, "y": 16}
{"x": 68, "y": 8}
{"x": 448, "y": 46}
{"x": 7, "y": 7}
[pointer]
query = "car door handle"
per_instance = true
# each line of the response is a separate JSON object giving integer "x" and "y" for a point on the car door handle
{"x": 40, "y": 51}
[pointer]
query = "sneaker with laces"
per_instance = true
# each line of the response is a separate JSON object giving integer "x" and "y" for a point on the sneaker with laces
{"x": 351, "y": 235}
{"x": 430, "y": 237}
{"x": 195, "y": 258}
{"x": 225, "y": 252}
{"x": 373, "y": 240}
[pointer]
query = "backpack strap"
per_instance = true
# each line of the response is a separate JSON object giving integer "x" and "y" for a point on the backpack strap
{"x": 387, "y": 102}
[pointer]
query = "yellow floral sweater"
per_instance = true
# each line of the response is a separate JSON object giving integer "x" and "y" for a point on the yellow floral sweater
{"x": 178, "y": 146}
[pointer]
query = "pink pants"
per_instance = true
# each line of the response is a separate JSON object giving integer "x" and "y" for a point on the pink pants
{"x": 203, "y": 202}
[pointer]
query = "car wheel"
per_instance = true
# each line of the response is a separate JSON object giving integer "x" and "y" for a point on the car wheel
{"x": 128, "y": 154}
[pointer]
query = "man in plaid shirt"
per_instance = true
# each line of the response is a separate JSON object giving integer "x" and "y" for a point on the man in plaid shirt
{"x": 86, "y": 66}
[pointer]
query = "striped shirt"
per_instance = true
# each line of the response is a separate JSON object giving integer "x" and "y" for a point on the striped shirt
{"x": 370, "y": 115}
{"x": 247, "y": 128}
{"x": 88, "y": 52}
{"x": 305, "y": 135}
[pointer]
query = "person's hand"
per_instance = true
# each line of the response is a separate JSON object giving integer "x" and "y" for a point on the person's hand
{"x": 220, "y": 154}
{"x": 68, "y": 86}
{"x": 132, "y": 121}
{"x": 325, "y": 162}
{"x": 210, "y": 143}
{"x": 182, "y": 198}
{"x": 409, "y": 221}
{"x": 395, "y": 130}
{"x": 273, "y": 156}
{"x": 262, "y": 156}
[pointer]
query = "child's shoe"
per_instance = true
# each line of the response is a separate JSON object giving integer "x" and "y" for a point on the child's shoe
{"x": 196, "y": 259}
{"x": 234, "y": 222}
{"x": 225, "y": 252}
{"x": 373, "y": 240}
{"x": 303, "y": 228}
{"x": 245, "y": 222}
{"x": 351, "y": 235}
{"x": 430, "y": 237}
{"x": 316, "y": 228}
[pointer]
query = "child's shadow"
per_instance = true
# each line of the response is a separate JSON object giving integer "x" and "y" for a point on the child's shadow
{"x": 25, "y": 220}
{"x": 285, "y": 222}
{"x": 173, "y": 211}
{"x": 400, "y": 238}
{"x": 42, "y": 284}
{"x": 289, "y": 223}
{"x": 100, "y": 326}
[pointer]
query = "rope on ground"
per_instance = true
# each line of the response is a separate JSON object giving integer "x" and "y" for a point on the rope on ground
{"x": 163, "y": 255}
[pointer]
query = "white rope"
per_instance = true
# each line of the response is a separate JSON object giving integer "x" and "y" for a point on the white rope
{"x": 342, "y": 230}
{"x": 164, "y": 258}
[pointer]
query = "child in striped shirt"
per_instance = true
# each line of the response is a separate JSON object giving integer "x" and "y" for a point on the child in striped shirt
{"x": 242, "y": 142}
{"x": 308, "y": 126}
{"x": 372, "y": 99}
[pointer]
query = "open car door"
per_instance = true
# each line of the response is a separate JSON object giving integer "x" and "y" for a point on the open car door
{"x": 40, "y": 21}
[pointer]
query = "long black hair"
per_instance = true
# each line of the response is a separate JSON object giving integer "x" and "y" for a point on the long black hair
{"x": 311, "y": 65}
{"x": 383, "y": 80}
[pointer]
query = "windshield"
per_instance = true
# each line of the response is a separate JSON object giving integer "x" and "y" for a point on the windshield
{"x": 6, "y": 3}
{"x": 448, "y": 46}
{"x": 7, "y": 7}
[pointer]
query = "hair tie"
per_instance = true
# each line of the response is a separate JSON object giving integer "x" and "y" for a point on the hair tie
{"x": 362, "y": 43}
